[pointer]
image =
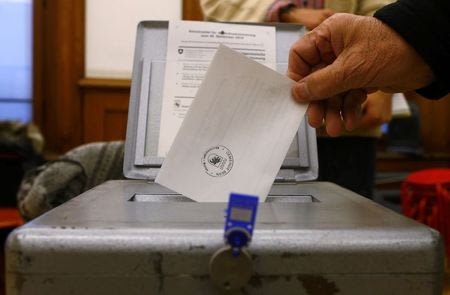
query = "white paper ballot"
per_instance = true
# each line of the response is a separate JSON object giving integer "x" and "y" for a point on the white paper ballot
{"x": 400, "y": 107}
{"x": 190, "y": 48}
{"x": 236, "y": 133}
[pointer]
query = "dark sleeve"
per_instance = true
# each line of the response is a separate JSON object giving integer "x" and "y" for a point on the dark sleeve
{"x": 425, "y": 25}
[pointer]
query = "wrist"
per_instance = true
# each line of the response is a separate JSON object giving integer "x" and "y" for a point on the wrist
{"x": 284, "y": 13}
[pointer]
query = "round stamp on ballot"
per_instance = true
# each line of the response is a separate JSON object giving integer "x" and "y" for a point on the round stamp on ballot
{"x": 217, "y": 161}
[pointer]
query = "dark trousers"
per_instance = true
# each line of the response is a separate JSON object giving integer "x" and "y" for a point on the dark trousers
{"x": 348, "y": 162}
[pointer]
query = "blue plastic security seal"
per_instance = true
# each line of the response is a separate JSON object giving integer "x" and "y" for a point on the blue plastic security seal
{"x": 240, "y": 221}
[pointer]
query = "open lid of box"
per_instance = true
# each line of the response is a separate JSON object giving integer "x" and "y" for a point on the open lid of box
{"x": 144, "y": 114}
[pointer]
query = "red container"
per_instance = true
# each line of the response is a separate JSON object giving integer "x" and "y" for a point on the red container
{"x": 425, "y": 197}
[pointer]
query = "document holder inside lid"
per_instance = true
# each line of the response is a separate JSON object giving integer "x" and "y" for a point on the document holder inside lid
{"x": 144, "y": 114}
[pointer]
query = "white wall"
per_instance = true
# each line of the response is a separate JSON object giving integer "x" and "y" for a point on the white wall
{"x": 111, "y": 30}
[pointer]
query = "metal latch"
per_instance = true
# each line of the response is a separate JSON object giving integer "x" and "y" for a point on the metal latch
{"x": 231, "y": 266}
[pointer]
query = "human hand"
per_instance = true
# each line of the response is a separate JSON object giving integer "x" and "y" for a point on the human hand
{"x": 310, "y": 18}
{"x": 376, "y": 110}
{"x": 345, "y": 58}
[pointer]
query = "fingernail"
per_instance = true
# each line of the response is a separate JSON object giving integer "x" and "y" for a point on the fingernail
{"x": 301, "y": 91}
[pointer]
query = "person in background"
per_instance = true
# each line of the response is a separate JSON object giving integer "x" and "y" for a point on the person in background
{"x": 349, "y": 160}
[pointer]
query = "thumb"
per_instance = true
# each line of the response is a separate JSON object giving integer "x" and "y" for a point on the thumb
{"x": 323, "y": 83}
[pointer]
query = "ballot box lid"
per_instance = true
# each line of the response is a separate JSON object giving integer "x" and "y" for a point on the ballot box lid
{"x": 144, "y": 115}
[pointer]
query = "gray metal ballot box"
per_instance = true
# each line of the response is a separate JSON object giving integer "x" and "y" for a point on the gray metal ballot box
{"x": 137, "y": 237}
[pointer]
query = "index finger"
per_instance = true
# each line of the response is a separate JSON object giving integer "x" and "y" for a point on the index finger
{"x": 303, "y": 56}
{"x": 307, "y": 53}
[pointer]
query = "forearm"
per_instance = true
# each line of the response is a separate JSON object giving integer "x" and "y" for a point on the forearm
{"x": 369, "y": 7}
{"x": 274, "y": 11}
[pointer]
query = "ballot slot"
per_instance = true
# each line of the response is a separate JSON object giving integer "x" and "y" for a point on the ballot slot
{"x": 292, "y": 199}
{"x": 168, "y": 198}
{"x": 159, "y": 198}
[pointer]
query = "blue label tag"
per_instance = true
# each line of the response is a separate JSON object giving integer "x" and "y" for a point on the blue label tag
{"x": 240, "y": 220}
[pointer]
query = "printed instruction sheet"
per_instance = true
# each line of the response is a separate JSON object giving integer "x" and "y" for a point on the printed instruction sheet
{"x": 190, "y": 48}
{"x": 236, "y": 133}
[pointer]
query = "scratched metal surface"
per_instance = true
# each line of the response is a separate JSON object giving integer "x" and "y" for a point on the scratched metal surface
{"x": 133, "y": 237}
{"x": 334, "y": 242}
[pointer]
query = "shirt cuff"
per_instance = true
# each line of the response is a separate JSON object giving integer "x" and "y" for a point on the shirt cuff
{"x": 426, "y": 41}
